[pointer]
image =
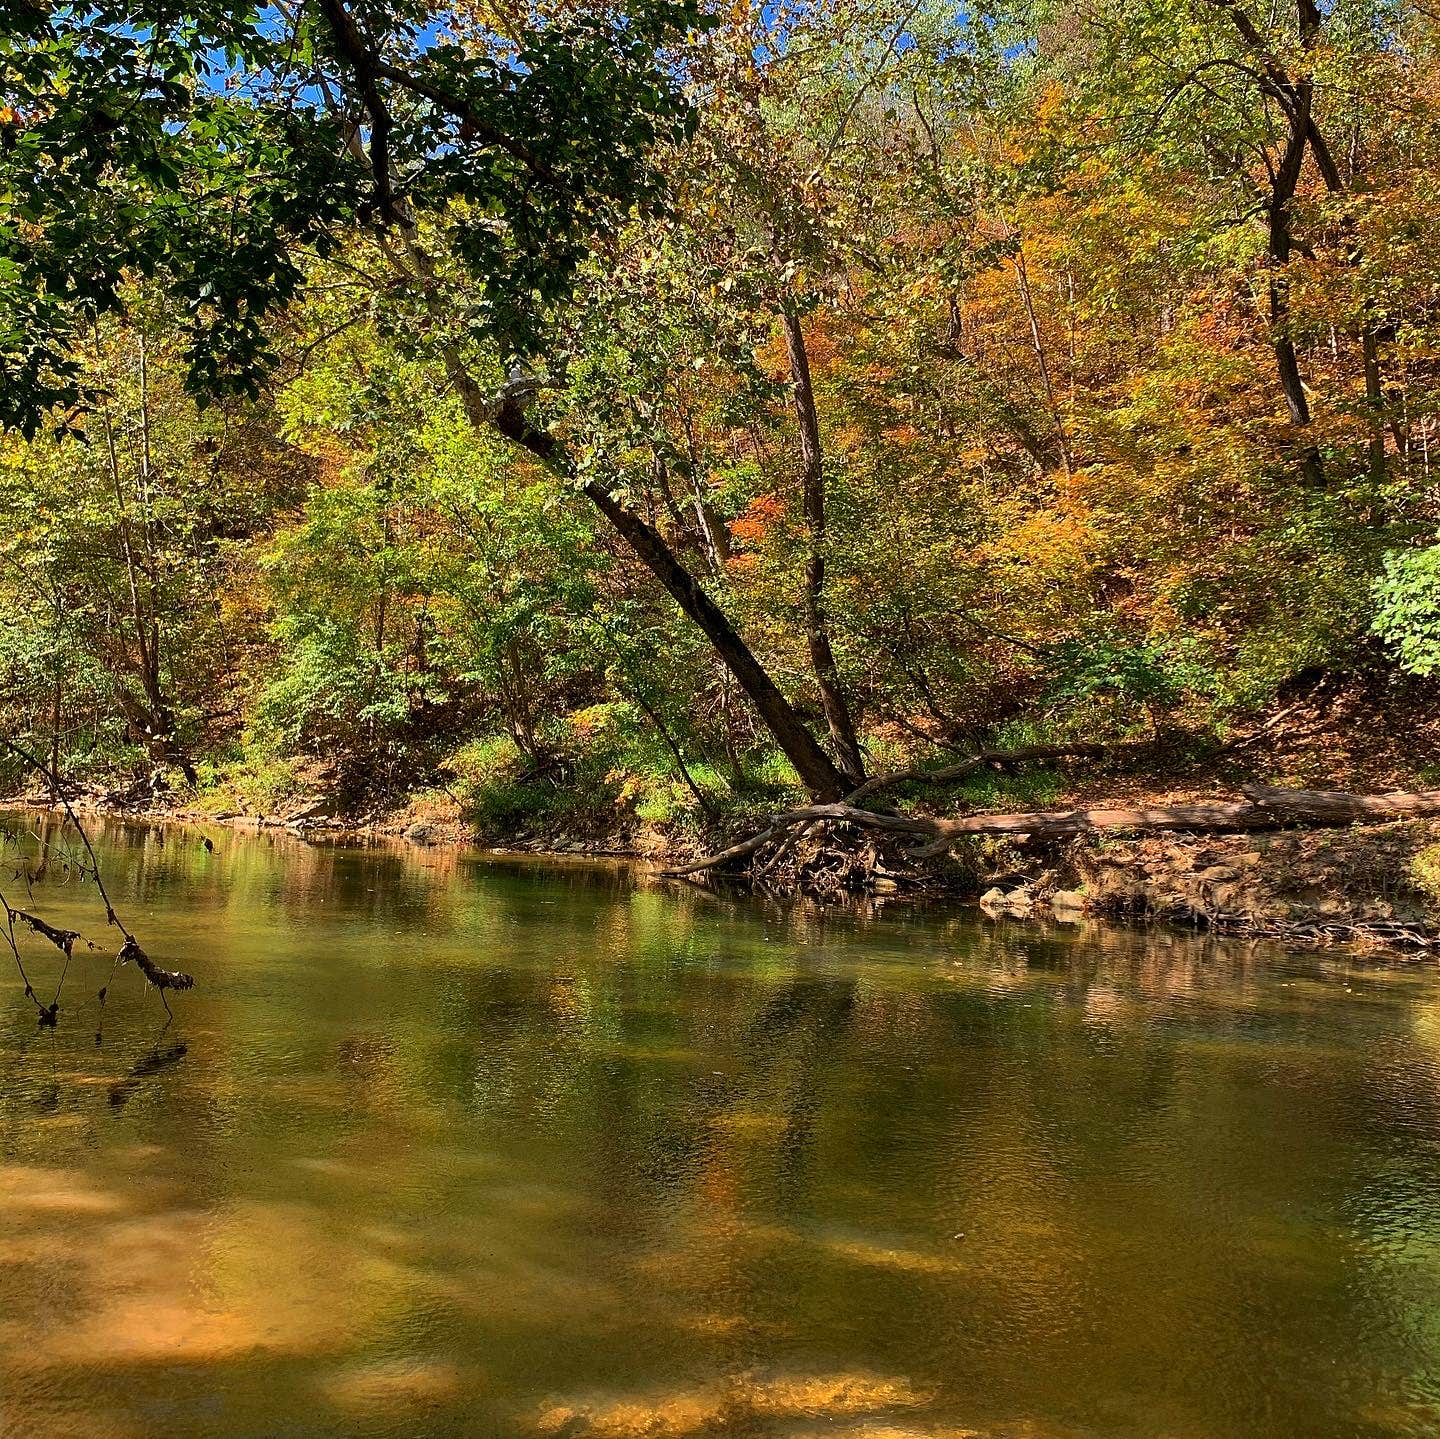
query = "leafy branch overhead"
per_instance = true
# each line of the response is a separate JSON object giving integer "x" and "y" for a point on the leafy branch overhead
{"x": 215, "y": 147}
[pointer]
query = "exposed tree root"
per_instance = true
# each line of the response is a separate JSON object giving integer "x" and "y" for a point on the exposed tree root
{"x": 1261, "y": 809}
{"x": 834, "y": 862}
{"x": 783, "y": 826}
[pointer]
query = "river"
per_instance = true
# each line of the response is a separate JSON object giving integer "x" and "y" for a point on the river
{"x": 445, "y": 1146}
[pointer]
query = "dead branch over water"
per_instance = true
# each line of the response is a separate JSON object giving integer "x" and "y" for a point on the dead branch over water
{"x": 64, "y": 940}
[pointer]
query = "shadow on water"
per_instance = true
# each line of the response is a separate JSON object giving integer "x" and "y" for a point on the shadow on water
{"x": 153, "y": 1063}
{"x": 443, "y": 1147}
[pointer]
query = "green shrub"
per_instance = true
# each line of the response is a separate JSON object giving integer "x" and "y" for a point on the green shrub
{"x": 1425, "y": 872}
{"x": 1407, "y": 608}
{"x": 256, "y": 780}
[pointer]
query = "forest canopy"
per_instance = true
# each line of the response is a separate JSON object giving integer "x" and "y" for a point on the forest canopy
{"x": 632, "y": 414}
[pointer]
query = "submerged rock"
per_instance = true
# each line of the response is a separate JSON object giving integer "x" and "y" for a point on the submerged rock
{"x": 1019, "y": 903}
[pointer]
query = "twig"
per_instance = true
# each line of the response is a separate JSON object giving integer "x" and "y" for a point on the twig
{"x": 64, "y": 940}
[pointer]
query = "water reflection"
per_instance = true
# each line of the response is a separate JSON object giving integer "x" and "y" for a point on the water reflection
{"x": 444, "y": 1147}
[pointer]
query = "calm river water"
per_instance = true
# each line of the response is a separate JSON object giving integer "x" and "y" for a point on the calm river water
{"x": 442, "y": 1146}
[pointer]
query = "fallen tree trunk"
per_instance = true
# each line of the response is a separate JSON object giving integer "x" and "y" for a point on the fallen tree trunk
{"x": 1262, "y": 808}
{"x": 949, "y": 774}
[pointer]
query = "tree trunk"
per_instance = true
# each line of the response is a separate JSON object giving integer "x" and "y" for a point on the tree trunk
{"x": 816, "y": 770}
{"x": 1295, "y": 96}
{"x": 653, "y": 715}
{"x": 1374, "y": 400}
{"x": 1261, "y": 809}
{"x": 817, "y": 773}
{"x": 1281, "y": 243}
{"x": 1037, "y": 343}
{"x": 817, "y": 628}
{"x": 507, "y": 415}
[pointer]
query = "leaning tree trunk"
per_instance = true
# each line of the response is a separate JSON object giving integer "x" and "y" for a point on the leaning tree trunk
{"x": 816, "y": 769}
{"x": 506, "y": 414}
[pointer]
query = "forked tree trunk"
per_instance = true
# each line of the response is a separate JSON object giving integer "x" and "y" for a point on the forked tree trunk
{"x": 1295, "y": 94}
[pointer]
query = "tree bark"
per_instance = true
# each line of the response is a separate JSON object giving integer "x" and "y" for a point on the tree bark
{"x": 1295, "y": 95}
{"x": 816, "y": 770}
{"x": 1281, "y": 243}
{"x": 817, "y": 627}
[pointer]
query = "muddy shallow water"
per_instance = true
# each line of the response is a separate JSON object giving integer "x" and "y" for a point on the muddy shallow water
{"x": 441, "y": 1146}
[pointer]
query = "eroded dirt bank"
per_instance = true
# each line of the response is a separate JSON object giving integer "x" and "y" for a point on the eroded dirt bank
{"x": 1377, "y": 884}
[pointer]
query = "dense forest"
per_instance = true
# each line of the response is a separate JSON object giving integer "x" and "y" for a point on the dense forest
{"x": 600, "y": 420}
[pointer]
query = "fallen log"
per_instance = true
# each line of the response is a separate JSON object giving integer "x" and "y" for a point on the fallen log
{"x": 1262, "y": 808}
{"x": 948, "y": 774}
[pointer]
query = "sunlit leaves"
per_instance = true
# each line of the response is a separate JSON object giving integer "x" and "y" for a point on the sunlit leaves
{"x": 215, "y": 150}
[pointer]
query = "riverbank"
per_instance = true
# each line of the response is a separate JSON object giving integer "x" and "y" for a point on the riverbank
{"x": 1375, "y": 886}
{"x": 1372, "y": 885}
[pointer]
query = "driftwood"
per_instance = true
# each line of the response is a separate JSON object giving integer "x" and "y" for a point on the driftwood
{"x": 1262, "y": 808}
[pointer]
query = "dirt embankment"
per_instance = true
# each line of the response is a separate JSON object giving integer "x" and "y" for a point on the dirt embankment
{"x": 1370, "y": 884}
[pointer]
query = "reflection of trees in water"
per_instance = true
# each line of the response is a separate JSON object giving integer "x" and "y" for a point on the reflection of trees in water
{"x": 802, "y": 1029}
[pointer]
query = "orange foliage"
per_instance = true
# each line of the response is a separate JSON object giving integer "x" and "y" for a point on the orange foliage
{"x": 760, "y": 517}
